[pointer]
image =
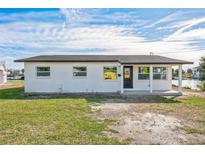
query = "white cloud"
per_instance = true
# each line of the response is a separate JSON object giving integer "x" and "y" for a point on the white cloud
{"x": 168, "y": 18}
{"x": 183, "y": 35}
{"x": 24, "y": 39}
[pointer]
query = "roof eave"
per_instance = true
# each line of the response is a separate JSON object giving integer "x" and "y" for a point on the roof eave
{"x": 65, "y": 60}
{"x": 146, "y": 63}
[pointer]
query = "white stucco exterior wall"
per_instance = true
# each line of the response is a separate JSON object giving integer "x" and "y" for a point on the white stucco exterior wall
{"x": 157, "y": 84}
{"x": 62, "y": 80}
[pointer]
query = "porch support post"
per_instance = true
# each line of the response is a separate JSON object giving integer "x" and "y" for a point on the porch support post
{"x": 180, "y": 79}
{"x": 122, "y": 82}
{"x": 150, "y": 78}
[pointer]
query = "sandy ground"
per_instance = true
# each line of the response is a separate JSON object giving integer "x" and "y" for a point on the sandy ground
{"x": 12, "y": 84}
{"x": 143, "y": 124}
{"x": 201, "y": 94}
{"x": 190, "y": 92}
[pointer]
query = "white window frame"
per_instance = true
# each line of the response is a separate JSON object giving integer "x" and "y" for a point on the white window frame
{"x": 142, "y": 73}
{"x": 43, "y": 77}
{"x": 160, "y": 73}
{"x": 80, "y": 77}
{"x": 110, "y": 80}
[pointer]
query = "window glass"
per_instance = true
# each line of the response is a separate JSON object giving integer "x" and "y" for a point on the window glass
{"x": 143, "y": 73}
{"x": 43, "y": 71}
{"x": 127, "y": 73}
{"x": 79, "y": 71}
{"x": 159, "y": 73}
{"x": 43, "y": 68}
{"x": 110, "y": 73}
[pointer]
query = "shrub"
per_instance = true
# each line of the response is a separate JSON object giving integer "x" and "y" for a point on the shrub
{"x": 187, "y": 87}
{"x": 202, "y": 86}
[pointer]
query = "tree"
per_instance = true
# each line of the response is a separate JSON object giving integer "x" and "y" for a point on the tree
{"x": 202, "y": 69}
{"x": 175, "y": 73}
{"x": 189, "y": 70}
{"x": 189, "y": 73}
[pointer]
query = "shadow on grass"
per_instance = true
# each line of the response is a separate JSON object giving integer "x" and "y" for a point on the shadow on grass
{"x": 18, "y": 93}
{"x": 149, "y": 99}
{"x": 169, "y": 99}
{"x": 12, "y": 93}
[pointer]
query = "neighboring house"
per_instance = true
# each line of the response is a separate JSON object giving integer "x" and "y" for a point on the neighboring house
{"x": 196, "y": 72}
{"x": 13, "y": 74}
{"x": 99, "y": 73}
{"x": 3, "y": 73}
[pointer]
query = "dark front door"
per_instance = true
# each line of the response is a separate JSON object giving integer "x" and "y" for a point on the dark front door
{"x": 128, "y": 76}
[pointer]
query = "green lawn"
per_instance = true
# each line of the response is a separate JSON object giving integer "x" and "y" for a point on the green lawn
{"x": 193, "y": 109}
{"x": 50, "y": 120}
{"x": 32, "y": 119}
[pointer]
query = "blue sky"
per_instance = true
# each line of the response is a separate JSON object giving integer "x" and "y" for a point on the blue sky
{"x": 177, "y": 33}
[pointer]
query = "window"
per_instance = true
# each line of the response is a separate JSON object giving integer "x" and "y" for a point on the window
{"x": 79, "y": 71}
{"x": 127, "y": 74}
{"x": 43, "y": 71}
{"x": 143, "y": 73}
{"x": 159, "y": 73}
{"x": 110, "y": 73}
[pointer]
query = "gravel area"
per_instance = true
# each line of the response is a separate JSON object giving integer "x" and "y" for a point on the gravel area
{"x": 146, "y": 123}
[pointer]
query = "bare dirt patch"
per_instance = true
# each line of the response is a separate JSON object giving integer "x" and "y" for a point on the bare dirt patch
{"x": 147, "y": 123}
{"x": 191, "y": 93}
{"x": 12, "y": 84}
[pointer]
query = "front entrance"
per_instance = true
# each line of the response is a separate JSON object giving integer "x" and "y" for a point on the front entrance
{"x": 128, "y": 76}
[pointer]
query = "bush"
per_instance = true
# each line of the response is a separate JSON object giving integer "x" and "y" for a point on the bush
{"x": 202, "y": 86}
{"x": 187, "y": 87}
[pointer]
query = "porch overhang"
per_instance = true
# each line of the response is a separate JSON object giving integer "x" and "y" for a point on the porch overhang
{"x": 151, "y": 91}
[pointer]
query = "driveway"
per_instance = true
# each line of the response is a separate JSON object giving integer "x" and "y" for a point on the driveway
{"x": 147, "y": 123}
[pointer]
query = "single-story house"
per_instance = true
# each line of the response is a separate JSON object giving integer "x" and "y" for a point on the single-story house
{"x": 100, "y": 73}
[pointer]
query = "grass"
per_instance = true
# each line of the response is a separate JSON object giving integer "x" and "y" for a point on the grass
{"x": 64, "y": 119}
{"x": 194, "y": 102}
{"x": 29, "y": 119}
{"x": 194, "y": 131}
{"x": 193, "y": 107}
{"x": 197, "y": 103}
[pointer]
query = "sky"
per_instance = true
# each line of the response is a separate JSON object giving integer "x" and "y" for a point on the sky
{"x": 175, "y": 33}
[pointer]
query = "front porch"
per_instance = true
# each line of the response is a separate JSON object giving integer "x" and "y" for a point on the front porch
{"x": 150, "y": 84}
{"x": 153, "y": 93}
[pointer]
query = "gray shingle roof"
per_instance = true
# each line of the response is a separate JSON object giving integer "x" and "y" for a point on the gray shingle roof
{"x": 124, "y": 59}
